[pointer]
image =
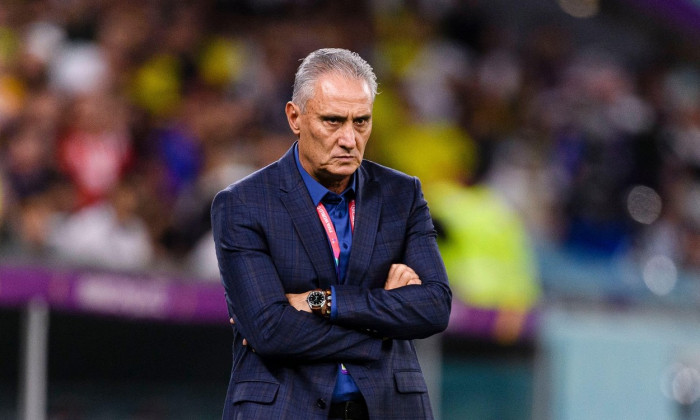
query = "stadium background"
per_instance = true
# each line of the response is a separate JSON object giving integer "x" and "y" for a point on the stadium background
{"x": 558, "y": 144}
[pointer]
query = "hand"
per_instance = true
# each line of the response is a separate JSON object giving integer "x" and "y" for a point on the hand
{"x": 298, "y": 301}
{"x": 245, "y": 342}
{"x": 401, "y": 275}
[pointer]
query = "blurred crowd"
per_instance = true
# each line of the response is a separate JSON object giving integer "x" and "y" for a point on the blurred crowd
{"x": 120, "y": 119}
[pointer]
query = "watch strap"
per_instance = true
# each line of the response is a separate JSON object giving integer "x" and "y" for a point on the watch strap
{"x": 325, "y": 309}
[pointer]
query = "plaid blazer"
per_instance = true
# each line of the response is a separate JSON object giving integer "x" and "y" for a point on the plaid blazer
{"x": 269, "y": 241}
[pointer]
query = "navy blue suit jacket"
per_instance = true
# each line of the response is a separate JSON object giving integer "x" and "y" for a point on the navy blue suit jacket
{"x": 269, "y": 241}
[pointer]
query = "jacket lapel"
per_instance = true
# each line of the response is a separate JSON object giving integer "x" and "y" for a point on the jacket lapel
{"x": 369, "y": 205}
{"x": 296, "y": 200}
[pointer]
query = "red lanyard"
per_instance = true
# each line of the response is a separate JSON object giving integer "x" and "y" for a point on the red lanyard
{"x": 330, "y": 229}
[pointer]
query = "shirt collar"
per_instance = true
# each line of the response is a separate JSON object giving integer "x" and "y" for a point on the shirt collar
{"x": 316, "y": 190}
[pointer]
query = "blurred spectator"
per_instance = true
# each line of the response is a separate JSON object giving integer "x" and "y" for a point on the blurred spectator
{"x": 108, "y": 234}
{"x": 486, "y": 249}
{"x": 34, "y": 218}
{"x": 97, "y": 148}
{"x": 28, "y": 162}
{"x": 181, "y": 99}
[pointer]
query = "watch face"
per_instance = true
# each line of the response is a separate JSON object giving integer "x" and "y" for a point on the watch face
{"x": 316, "y": 299}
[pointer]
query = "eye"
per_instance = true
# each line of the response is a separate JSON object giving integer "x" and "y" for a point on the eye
{"x": 332, "y": 120}
{"x": 361, "y": 122}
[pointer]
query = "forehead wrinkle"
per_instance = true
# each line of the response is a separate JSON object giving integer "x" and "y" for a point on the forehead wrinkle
{"x": 341, "y": 108}
{"x": 338, "y": 96}
{"x": 331, "y": 91}
{"x": 337, "y": 85}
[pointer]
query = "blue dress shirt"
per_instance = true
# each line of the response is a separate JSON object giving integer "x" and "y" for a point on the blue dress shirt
{"x": 337, "y": 208}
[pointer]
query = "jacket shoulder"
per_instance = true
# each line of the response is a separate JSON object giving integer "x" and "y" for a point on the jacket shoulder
{"x": 384, "y": 174}
{"x": 254, "y": 184}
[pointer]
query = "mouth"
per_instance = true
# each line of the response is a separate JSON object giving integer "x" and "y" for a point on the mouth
{"x": 344, "y": 157}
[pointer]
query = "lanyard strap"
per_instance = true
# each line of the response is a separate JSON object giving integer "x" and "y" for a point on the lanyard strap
{"x": 330, "y": 229}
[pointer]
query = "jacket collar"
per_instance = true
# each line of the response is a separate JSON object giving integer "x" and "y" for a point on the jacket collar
{"x": 296, "y": 199}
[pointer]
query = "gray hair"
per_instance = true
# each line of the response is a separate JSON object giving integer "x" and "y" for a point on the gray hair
{"x": 327, "y": 60}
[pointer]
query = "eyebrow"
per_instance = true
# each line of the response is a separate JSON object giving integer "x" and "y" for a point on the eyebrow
{"x": 340, "y": 117}
{"x": 332, "y": 116}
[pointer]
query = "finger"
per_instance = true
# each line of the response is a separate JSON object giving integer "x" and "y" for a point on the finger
{"x": 407, "y": 275}
{"x": 395, "y": 271}
{"x": 391, "y": 280}
{"x": 394, "y": 275}
{"x": 245, "y": 343}
{"x": 399, "y": 268}
{"x": 392, "y": 270}
{"x": 408, "y": 270}
{"x": 405, "y": 270}
{"x": 415, "y": 281}
{"x": 399, "y": 275}
{"x": 231, "y": 321}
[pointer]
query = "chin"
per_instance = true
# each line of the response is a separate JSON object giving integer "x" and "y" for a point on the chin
{"x": 345, "y": 170}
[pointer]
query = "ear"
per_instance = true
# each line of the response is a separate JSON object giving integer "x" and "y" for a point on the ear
{"x": 293, "y": 114}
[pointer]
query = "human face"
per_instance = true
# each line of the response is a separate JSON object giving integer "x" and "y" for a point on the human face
{"x": 333, "y": 129}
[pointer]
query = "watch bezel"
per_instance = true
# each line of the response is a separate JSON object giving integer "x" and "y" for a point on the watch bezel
{"x": 316, "y": 296}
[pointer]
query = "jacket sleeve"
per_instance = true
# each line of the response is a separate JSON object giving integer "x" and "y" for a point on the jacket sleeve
{"x": 256, "y": 296}
{"x": 408, "y": 312}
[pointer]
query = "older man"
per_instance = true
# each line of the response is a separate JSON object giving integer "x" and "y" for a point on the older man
{"x": 330, "y": 265}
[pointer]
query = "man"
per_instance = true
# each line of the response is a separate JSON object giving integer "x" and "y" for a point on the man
{"x": 330, "y": 265}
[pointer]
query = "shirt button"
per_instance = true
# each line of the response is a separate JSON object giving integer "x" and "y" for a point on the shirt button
{"x": 321, "y": 403}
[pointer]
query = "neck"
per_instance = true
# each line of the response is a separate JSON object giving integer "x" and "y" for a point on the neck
{"x": 335, "y": 185}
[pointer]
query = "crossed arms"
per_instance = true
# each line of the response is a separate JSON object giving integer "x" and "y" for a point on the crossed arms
{"x": 414, "y": 301}
{"x": 400, "y": 275}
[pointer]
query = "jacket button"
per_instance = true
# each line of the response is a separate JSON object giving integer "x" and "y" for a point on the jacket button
{"x": 321, "y": 403}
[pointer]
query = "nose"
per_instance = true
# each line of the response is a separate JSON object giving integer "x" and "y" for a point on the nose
{"x": 347, "y": 136}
